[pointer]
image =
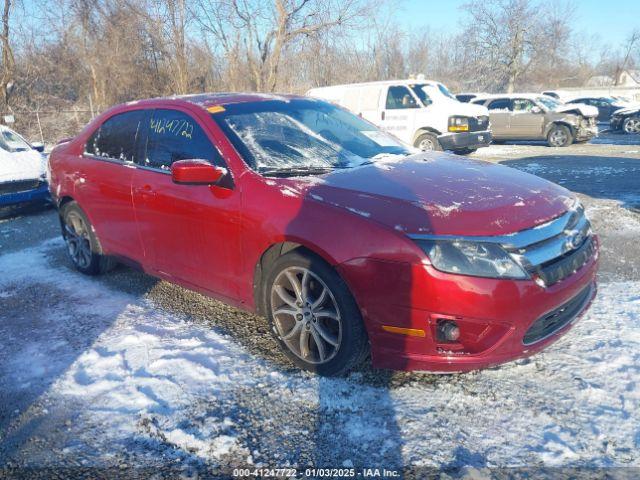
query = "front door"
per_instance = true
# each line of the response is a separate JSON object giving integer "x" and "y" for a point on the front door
{"x": 399, "y": 113}
{"x": 190, "y": 232}
{"x": 527, "y": 119}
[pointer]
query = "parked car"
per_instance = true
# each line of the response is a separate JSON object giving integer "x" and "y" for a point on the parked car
{"x": 22, "y": 169}
{"x": 552, "y": 94}
{"x": 626, "y": 120}
{"x": 606, "y": 105}
{"x": 525, "y": 116}
{"x": 345, "y": 239}
{"x": 466, "y": 97}
{"x": 421, "y": 113}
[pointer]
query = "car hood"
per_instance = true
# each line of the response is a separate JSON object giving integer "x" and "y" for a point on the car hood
{"x": 627, "y": 110}
{"x": 585, "y": 110}
{"x": 16, "y": 166}
{"x": 438, "y": 194}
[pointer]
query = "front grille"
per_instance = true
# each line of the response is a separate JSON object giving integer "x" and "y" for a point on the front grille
{"x": 554, "y": 251}
{"x": 566, "y": 265}
{"x": 478, "y": 124}
{"x": 19, "y": 186}
{"x": 558, "y": 318}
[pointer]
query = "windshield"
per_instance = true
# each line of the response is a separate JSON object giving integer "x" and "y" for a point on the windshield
{"x": 549, "y": 102}
{"x": 445, "y": 91}
{"x": 12, "y": 142}
{"x": 303, "y": 134}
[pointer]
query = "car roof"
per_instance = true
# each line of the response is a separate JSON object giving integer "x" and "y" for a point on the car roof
{"x": 510, "y": 96}
{"x": 206, "y": 100}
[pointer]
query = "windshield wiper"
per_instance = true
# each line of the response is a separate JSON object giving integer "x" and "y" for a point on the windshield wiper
{"x": 294, "y": 171}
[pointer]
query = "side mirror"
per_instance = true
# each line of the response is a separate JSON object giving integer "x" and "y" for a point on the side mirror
{"x": 196, "y": 172}
{"x": 536, "y": 109}
{"x": 38, "y": 146}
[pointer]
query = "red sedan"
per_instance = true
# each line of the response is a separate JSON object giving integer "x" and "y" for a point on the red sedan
{"x": 349, "y": 242}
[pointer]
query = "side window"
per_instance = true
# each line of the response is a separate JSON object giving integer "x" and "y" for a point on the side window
{"x": 400, "y": 97}
{"x": 500, "y": 105}
{"x": 116, "y": 138}
{"x": 173, "y": 136}
{"x": 523, "y": 105}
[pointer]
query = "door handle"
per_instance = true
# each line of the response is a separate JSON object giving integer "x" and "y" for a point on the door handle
{"x": 382, "y": 115}
{"x": 145, "y": 192}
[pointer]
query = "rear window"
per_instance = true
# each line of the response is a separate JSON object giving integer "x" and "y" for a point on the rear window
{"x": 117, "y": 137}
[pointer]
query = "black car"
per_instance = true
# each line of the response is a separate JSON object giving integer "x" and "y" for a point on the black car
{"x": 466, "y": 97}
{"x": 626, "y": 120}
{"x": 605, "y": 105}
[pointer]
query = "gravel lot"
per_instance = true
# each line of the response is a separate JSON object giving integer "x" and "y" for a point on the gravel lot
{"x": 127, "y": 374}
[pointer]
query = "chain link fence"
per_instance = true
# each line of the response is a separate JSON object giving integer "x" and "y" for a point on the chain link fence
{"x": 47, "y": 126}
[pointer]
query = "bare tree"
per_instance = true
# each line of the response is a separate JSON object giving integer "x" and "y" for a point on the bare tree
{"x": 624, "y": 61}
{"x": 8, "y": 61}
{"x": 263, "y": 30}
{"x": 506, "y": 37}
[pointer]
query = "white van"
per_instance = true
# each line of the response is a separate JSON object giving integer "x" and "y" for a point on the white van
{"x": 421, "y": 113}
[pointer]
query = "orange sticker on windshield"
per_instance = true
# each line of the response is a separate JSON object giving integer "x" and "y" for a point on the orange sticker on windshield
{"x": 215, "y": 109}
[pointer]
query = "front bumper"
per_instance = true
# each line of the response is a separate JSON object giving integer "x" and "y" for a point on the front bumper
{"x": 586, "y": 133}
{"x": 40, "y": 193}
{"x": 494, "y": 316}
{"x": 465, "y": 140}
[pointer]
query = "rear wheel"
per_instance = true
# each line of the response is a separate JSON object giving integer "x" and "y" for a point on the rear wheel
{"x": 560, "y": 136}
{"x": 83, "y": 246}
{"x": 631, "y": 125}
{"x": 427, "y": 141}
{"x": 313, "y": 316}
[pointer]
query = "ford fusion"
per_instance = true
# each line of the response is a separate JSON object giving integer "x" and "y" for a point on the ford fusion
{"x": 349, "y": 242}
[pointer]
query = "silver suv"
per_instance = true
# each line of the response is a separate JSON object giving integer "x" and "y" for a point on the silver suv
{"x": 539, "y": 117}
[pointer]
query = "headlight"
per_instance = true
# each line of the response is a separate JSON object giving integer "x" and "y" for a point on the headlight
{"x": 472, "y": 258}
{"x": 458, "y": 124}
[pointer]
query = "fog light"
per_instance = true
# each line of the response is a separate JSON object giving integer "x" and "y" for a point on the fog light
{"x": 448, "y": 331}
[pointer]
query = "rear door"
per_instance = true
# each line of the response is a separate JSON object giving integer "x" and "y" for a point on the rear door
{"x": 190, "y": 232}
{"x": 527, "y": 119}
{"x": 398, "y": 115}
{"x": 500, "y": 117}
{"x": 103, "y": 187}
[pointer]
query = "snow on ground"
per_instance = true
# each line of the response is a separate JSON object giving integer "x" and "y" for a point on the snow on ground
{"x": 118, "y": 373}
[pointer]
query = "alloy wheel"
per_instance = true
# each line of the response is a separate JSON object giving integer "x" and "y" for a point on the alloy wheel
{"x": 558, "y": 137}
{"x": 306, "y": 315}
{"x": 426, "y": 144}
{"x": 632, "y": 125}
{"x": 78, "y": 240}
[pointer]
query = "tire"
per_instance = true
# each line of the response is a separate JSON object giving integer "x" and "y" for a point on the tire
{"x": 328, "y": 337}
{"x": 559, "y": 136}
{"x": 631, "y": 125}
{"x": 465, "y": 151}
{"x": 427, "y": 141}
{"x": 83, "y": 246}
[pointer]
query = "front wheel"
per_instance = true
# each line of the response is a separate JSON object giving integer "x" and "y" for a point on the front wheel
{"x": 427, "y": 141}
{"x": 631, "y": 125}
{"x": 82, "y": 243}
{"x": 313, "y": 316}
{"x": 560, "y": 136}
